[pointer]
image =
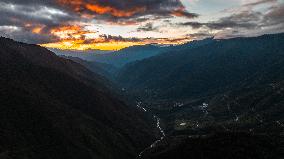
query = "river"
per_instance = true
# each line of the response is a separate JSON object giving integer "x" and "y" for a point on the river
{"x": 158, "y": 125}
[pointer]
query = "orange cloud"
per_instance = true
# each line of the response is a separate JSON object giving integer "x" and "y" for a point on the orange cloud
{"x": 71, "y": 32}
{"x": 34, "y": 28}
{"x": 100, "y": 44}
{"x": 96, "y": 44}
{"x": 113, "y": 11}
{"x": 81, "y": 6}
{"x": 181, "y": 12}
{"x": 75, "y": 4}
{"x": 78, "y": 38}
{"x": 109, "y": 44}
{"x": 37, "y": 30}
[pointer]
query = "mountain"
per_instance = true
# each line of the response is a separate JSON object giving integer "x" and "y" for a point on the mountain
{"x": 85, "y": 54}
{"x": 192, "y": 44}
{"x": 103, "y": 69}
{"x": 136, "y": 53}
{"x": 209, "y": 69}
{"x": 214, "y": 98}
{"x": 51, "y": 107}
{"x": 233, "y": 84}
{"x": 130, "y": 54}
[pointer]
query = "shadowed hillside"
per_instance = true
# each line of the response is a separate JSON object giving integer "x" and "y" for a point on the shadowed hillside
{"x": 55, "y": 108}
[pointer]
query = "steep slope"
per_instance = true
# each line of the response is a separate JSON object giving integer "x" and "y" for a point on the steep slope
{"x": 55, "y": 108}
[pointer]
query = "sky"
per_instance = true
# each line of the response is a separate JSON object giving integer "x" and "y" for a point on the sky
{"x": 116, "y": 24}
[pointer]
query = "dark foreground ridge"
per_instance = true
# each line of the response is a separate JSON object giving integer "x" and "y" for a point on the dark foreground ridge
{"x": 53, "y": 108}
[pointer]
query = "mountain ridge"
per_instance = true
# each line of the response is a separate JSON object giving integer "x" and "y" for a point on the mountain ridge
{"x": 54, "y": 113}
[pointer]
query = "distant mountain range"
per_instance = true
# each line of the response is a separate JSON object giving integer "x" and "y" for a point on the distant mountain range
{"x": 128, "y": 55}
{"x": 51, "y": 107}
{"x": 208, "y": 68}
{"x": 116, "y": 58}
{"x": 84, "y": 54}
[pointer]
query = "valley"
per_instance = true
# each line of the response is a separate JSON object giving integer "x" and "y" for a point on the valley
{"x": 212, "y": 89}
{"x": 141, "y": 79}
{"x": 146, "y": 109}
{"x": 223, "y": 90}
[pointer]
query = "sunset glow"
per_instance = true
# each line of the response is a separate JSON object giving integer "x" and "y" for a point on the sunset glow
{"x": 113, "y": 25}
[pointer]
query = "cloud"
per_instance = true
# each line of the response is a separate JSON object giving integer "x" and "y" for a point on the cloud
{"x": 274, "y": 16}
{"x": 63, "y": 23}
{"x": 200, "y": 35}
{"x": 194, "y": 25}
{"x": 32, "y": 20}
{"x": 21, "y": 34}
{"x": 37, "y": 18}
{"x": 110, "y": 42}
{"x": 259, "y": 2}
{"x": 125, "y": 10}
{"x": 246, "y": 19}
{"x": 111, "y": 38}
{"x": 244, "y": 22}
{"x": 32, "y": 12}
{"x": 147, "y": 27}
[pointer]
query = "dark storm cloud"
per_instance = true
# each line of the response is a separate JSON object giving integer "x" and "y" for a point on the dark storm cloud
{"x": 31, "y": 21}
{"x": 115, "y": 10}
{"x": 38, "y": 13}
{"x": 36, "y": 18}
